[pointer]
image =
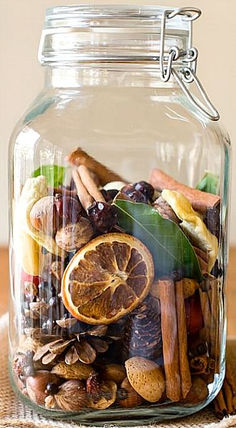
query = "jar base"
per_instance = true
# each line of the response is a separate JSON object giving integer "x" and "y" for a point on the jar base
{"x": 120, "y": 417}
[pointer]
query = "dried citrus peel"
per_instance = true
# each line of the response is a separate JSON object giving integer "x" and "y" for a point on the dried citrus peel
{"x": 192, "y": 224}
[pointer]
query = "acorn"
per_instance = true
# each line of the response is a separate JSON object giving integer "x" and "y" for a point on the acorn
{"x": 36, "y": 385}
{"x": 131, "y": 397}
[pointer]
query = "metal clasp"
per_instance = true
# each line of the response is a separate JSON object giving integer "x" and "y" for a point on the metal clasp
{"x": 187, "y": 74}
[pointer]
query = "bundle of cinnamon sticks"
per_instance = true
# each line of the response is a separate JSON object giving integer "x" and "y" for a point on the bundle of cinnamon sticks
{"x": 225, "y": 402}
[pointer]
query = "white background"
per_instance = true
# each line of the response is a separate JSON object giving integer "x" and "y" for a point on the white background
{"x": 21, "y": 77}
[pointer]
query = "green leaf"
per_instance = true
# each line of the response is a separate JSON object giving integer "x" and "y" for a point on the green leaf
{"x": 54, "y": 174}
{"x": 170, "y": 248}
{"x": 209, "y": 183}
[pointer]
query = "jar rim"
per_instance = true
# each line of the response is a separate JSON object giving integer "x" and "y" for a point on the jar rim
{"x": 79, "y": 13}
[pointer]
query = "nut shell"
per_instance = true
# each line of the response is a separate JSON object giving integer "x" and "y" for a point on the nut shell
{"x": 114, "y": 372}
{"x": 78, "y": 371}
{"x": 43, "y": 215}
{"x": 36, "y": 385}
{"x": 146, "y": 377}
{"x": 105, "y": 397}
{"x": 133, "y": 399}
{"x": 72, "y": 396}
{"x": 74, "y": 236}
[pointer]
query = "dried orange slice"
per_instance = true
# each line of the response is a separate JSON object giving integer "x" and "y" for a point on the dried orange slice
{"x": 107, "y": 278}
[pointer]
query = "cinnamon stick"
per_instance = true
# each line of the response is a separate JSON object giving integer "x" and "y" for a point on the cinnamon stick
{"x": 84, "y": 196}
{"x": 105, "y": 175}
{"x": 201, "y": 201}
{"x": 185, "y": 375}
{"x": 90, "y": 184}
{"x": 169, "y": 331}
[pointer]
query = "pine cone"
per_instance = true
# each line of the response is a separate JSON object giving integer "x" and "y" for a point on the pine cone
{"x": 142, "y": 336}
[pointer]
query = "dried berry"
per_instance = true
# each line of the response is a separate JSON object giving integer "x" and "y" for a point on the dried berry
{"x": 52, "y": 388}
{"x": 146, "y": 189}
{"x": 103, "y": 216}
{"x": 133, "y": 194}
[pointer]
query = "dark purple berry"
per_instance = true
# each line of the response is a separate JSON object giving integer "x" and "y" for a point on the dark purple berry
{"x": 52, "y": 388}
{"x": 145, "y": 188}
{"x": 109, "y": 195}
{"x": 133, "y": 194}
{"x": 103, "y": 216}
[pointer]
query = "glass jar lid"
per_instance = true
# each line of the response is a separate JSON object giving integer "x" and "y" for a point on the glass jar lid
{"x": 108, "y": 33}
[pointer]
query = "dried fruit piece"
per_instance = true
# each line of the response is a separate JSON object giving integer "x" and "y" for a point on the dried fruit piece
{"x": 114, "y": 372}
{"x": 105, "y": 397}
{"x": 192, "y": 224}
{"x": 189, "y": 287}
{"x": 74, "y": 236}
{"x": 146, "y": 377}
{"x": 78, "y": 370}
{"x": 36, "y": 385}
{"x": 107, "y": 278}
{"x": 131, "y": 397}
{"x": 146, "y": 189}
{"x": 103, "y": 216}
{"x": 72, "y": 396}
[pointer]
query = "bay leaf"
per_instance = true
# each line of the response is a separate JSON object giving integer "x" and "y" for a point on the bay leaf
{"x": 170, "y": 248}
{"x": 54, "y": 174}
{"x": 209, "y": 183}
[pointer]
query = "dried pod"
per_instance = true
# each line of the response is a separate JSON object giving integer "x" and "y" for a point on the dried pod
{"x": 43, "y": 215}
{"x": 93, "y": 385}
{"x": 36, "y": 385}
{"x": 114, "y": 372}
{"x": 105, "y": 397}
{"x": 74, "y": 236}
{"x": 146, "y": 377}
{"x": 59, "y": 347}
{"x": 199, "y": 364}
{"x": 72, "y": 396}
{"x": 198, "y": 392}
{"x": 132, "y": 398}
{"x": 77, "y": 371}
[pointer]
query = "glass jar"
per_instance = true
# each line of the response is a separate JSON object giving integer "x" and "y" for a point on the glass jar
{"x": 119, "y": 212}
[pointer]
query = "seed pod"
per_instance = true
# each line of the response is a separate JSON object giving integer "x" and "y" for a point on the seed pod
{"x": 132, "y": 398}
{"x": 73, "y": 236}
{"x": 72, "y": 396}
{"x": 105, "y": 397}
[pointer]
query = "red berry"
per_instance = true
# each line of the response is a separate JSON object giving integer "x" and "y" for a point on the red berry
{"x": 194, "y": 316}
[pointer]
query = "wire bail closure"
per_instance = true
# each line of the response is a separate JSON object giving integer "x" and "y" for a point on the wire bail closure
{"x": 187, "y": 74}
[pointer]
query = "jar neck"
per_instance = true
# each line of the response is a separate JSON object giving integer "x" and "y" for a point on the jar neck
{"x": 94, "y": 74}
